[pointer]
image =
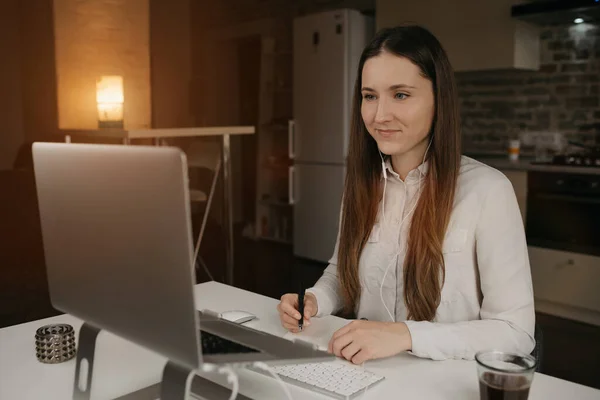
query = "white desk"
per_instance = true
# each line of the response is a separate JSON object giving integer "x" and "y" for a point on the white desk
{"x": 122, "y": 367}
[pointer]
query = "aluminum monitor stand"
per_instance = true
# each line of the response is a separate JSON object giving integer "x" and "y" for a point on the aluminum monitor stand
{"x": 177, "y": 382}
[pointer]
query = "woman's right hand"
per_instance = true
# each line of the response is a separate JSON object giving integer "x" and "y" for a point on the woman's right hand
{"x": 288, "y": 310}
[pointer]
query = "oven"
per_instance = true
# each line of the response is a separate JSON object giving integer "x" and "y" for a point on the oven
{"x": 563, "y": 212}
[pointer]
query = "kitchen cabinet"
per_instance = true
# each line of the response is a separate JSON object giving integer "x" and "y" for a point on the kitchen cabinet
{"x": 565, "y": 284}
{"x": 477, "y": 35}
{"x": 519, "y": 182}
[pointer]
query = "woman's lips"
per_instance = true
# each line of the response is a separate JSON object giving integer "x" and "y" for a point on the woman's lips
{"x": 387, "y": 132}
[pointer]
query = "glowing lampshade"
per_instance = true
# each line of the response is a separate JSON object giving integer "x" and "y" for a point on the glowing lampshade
{"x": 109, "y": 98}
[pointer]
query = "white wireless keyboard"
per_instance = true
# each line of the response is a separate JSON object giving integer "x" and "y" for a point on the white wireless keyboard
{"x": 333, "y": 379}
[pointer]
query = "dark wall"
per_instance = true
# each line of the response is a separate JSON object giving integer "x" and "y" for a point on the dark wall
{"x": 11, "y": 102}
{"x": 38, "y": 73}
{"x": 28, "y": 109}
{"x": 170, "y": 63}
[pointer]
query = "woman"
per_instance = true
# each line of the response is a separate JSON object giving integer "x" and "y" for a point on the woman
{"x": 431, "y": 249}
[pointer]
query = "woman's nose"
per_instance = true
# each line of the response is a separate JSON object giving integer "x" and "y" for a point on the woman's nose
{"x": 383, "y": 113}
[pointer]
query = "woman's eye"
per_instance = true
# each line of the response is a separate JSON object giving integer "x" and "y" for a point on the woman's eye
{"x": 401, "y": 96}
{"x": 369, "y": 97}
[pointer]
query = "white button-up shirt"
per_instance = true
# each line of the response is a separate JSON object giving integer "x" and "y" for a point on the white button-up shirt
{"x": 487, "y": 296}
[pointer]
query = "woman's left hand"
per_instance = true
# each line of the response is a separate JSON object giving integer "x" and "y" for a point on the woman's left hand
{"x": 360, "y": 340}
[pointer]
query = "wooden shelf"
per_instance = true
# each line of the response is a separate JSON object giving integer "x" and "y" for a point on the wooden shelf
{"x": 274, "y": 220}
{"x": 160, "y": 133}
{"x": 278, "y": 54}
{"x": 278, "y": 162}
{"x": 198, "y": 196}
{"x": 276, "y": 167}
{"x": 274, "y": 203}
{"x": 275, "y": 240}
{"x": 278, "y": 90}
{"x": 275, "y": 126}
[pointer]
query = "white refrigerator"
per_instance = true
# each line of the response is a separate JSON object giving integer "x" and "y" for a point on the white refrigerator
{"x": 327, "y": 48}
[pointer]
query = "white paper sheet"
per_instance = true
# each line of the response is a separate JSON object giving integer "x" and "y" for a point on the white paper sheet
{"x": 319, "y": 331}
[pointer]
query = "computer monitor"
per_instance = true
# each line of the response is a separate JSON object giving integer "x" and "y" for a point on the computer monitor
{"x": 116, "y": 228}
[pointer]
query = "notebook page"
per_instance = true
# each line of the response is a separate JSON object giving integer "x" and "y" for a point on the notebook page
{"x": 319, "y": 331}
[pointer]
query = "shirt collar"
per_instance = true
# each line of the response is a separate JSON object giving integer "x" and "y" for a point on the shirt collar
{"x": 413, "y": 176}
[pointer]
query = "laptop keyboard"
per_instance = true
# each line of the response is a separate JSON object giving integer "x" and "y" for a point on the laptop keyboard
{"x": 213, "y": 344}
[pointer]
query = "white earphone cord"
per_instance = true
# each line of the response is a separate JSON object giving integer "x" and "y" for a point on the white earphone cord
{"x": 232, "y": 377}
{"x": 397, "y": 254}
{"x": 384, "y": 172}
{"x": 401, "y": 249}
{"x": 262, "y": 365}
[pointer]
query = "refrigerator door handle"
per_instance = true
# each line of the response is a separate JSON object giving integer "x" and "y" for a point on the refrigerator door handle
{"x": 291, "y": 137}
{"x": 292, "y": 185}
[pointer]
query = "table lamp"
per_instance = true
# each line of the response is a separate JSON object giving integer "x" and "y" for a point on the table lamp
{"x": 109, "y": 99}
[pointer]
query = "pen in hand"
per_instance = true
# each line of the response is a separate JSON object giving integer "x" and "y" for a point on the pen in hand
{"x": 301, "y": 308}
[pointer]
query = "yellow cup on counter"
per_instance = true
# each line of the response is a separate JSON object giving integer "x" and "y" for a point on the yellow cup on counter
{"x": 514, "y": 147}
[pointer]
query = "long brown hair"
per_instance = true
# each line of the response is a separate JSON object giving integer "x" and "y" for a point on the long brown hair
{"x": 424, "y": 269}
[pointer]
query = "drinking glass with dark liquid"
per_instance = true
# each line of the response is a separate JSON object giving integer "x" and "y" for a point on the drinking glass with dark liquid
{"x": 504, "y": 376}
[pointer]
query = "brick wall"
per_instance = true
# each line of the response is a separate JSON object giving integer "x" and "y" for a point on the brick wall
{"x": 563, "y": 96}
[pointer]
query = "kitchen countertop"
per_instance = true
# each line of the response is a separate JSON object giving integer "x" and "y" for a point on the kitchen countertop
{"x": 525, "y": 164}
